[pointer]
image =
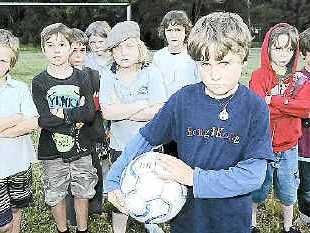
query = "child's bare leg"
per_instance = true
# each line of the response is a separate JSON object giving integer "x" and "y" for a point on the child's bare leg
{"x": 59, "y": 214}
{"x": 81, "y": 210}
{"x": 119, "y": 222}
{"x": 7, "y": 228}
{"x": 17, "y": 217}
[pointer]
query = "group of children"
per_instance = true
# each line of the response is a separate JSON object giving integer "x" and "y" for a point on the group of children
{"x": 226, "y": 142}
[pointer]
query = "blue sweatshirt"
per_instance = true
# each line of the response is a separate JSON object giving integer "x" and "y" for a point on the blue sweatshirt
{"x": 229, "y": 157}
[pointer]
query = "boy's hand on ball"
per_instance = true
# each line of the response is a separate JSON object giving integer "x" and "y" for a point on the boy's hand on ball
{"x": 117, "y": 199}
{"x": 176, "y": 169}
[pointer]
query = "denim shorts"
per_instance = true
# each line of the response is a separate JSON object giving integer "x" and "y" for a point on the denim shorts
{"x": 284, "y": 175}
{"x": 15, "y": 193}
{"x": 57, "y": 176}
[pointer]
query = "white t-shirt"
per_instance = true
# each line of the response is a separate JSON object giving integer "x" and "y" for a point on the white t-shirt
{"x": 178, "y": 70}
{"x": 148, "y": 86}
{"x": 16, "y": 153}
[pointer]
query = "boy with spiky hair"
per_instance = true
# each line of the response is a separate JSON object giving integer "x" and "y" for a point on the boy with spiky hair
{"x": 275, "y": 84}
{"x": 64, "y": 100}
{"x": 18, "y": 117}
{"x": 98, "y": 58}
{"x": 221, "y": 159}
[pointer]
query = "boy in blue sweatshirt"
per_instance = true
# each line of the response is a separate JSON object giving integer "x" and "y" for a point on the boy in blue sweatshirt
{"x": 221, "y": 158}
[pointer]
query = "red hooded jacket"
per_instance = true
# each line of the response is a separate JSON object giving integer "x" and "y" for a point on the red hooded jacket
{"x": 286, "y": 110}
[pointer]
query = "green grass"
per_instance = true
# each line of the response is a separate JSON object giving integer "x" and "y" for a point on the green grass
{"x": 37, "y": 219}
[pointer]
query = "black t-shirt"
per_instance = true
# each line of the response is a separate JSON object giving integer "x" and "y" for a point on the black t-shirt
{"x": 60, "y": 138}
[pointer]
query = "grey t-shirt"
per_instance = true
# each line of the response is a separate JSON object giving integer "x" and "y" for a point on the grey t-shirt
{"x": 148, "y": 86}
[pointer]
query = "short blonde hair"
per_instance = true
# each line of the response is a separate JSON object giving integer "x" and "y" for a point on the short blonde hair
{"x": 98, "y": 28}
{"x": 56, "y": 28}
{"x": 79, "y": 36}
{"x": 225, "y": 30}
{"x": 144, "y": 54}
{"x": 7, "y": 39}
{"x": 175, "y": 17}
{"x": 305, "y": 41}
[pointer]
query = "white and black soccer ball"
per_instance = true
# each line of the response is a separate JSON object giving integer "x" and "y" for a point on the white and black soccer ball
{"x": 148, "y": 198}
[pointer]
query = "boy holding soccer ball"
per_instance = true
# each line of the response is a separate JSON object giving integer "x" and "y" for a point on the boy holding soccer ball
{"x": 222, "y": 159}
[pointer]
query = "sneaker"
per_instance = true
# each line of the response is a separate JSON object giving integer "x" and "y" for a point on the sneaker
{"x": 292, "y": 230}
{"x": 255, "y": 230}
{"x": 302, "y": 220}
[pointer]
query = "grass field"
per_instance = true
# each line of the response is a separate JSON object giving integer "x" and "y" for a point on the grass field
{"x": 37, "y": 219}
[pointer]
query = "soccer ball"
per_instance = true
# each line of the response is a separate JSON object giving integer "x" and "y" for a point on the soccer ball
{"x": 148, "y": 198}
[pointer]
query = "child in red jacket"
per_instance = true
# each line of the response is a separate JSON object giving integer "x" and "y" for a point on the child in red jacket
{"x": 288, "y": 102}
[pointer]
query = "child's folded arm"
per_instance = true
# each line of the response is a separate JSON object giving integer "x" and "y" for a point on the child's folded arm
{"x": 10, "y": 121}
{"x": 147, "y": 113}
{"x": 86, "y": 111}
{"x": 117, "y": 111}
{"x": 25, "y": 126}
{"x": 297, "y": 105}
{"x": 46, "y": 119}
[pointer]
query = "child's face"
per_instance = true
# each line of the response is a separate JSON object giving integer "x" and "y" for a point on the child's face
{"x": 97, "y": 45}
{"x": 5, "y": 58}
{"x": 281, "y": 52}
{"x": 175, "y": 35}
{"x": 220, "y": 77}
{"x": 57, "y": 49}
{"x": 126, "y": 54}
{"x": 78, "y": 54}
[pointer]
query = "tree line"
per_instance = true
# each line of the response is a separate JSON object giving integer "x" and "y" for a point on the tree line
{"x": 28, "y": 21}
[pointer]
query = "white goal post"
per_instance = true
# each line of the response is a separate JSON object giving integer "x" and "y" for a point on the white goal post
{"x": 127, "y": 5}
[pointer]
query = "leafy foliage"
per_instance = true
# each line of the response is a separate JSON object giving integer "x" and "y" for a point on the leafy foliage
{"x": 28, "y": 21}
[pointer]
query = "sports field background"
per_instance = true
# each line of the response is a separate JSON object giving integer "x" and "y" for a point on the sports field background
{"x": 38, "y": 219}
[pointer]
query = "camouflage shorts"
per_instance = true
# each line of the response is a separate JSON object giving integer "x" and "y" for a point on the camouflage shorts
{"x": 57, "y": 176}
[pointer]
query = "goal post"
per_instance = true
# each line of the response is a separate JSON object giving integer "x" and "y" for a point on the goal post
{"x": 86, "y": 4}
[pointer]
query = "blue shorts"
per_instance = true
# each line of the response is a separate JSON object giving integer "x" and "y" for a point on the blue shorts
{"x": 283, "y": 173}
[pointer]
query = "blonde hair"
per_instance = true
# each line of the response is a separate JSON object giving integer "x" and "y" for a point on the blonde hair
{"x": 56, "y": 28}
{"x": 305, "y": 41}
{"x": 7, "y": 39}
{"x": 98, "y": 28}
{"x": 79, "y": 36}
{"x": 175, "y": 17}
{"x": 225, "y": 30}
{"x": 144, "y": 54}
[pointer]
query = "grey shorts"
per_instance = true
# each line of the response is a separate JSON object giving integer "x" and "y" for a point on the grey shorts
{"x": 57, "y": 176}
